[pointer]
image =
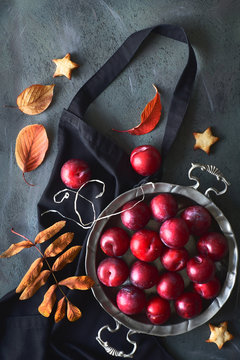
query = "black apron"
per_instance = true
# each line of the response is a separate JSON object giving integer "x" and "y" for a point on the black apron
{"x": 24, "y": 333}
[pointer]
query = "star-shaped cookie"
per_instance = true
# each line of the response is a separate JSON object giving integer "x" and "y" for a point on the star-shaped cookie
{"x": 64, "y": 66}
{"x": 219, "y": 334}
{"x": 204, "y": 140}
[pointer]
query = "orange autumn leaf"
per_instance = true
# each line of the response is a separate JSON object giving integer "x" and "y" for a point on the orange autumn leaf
{"x": 35, "y": 99}
{"x": 49, "y": 232}
{"x": 31, "y": 147}
{"x": 73, "y": 312}
{"x": 66, "y": 258}
{"x": 16, "y": 248}
{"x": 45, "y": 308}
{"x": 78, "y": 282}
{"x": 30, "y": 290}
{"x": 149, "y": 117}
{"x": 59, "y": 244}
{"x": 30, "y": 275}
{"x": 61, "y": 310}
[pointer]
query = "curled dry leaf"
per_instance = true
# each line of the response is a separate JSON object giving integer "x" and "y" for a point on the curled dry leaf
{"x": 149, "y": 117}
{"x": 35, "y": 99}
{"x": 30, "y": 275}
{"x": 78, "y": 282}
{"x": 73, "y": 312}
{"x": 59, "y": 244}
{"x": 30, "y": 290}
{"x": 61, "y": 310}
{"x": 31, "y": 147}
{"x": 49, "y": 232}
{"x": 16, "y": 248}
{"x": 66, "y": 258}
{"x": 45, "y": 308}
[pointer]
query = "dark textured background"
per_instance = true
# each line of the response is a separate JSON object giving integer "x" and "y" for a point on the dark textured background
{"x": 34, "y": 32}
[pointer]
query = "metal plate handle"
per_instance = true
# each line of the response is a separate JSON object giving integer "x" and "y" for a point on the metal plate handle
{"x": 211, "y": 169}
{"x": 112, "y": 351}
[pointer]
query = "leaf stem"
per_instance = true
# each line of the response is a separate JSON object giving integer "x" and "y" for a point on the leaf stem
{"x": 14, "y": 232}
{"x": 10, "y": 106}
{"x": 26, "y": 180}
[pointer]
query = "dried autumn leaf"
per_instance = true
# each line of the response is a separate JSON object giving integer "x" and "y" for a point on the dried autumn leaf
{"x": 149, "y": 117}
{"x": 49, "y": 232}
{"x": 30, "y": 290}
{"x": 59, "y": 244}
{"x": 35, "y": 99}
{"x": 61, "y": 310}
{"x": 66, "y": 258}
{"x": 31, "y": 147}
{"x": 78, "y": 282}
{"x": 73, "y": 312}
{"x": 16, "y": 248}
{"x": 30, "y": 275}
{"x": 45, "y": 308}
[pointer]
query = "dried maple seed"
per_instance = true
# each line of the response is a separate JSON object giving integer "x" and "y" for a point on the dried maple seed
{"x": 149, "y": 117}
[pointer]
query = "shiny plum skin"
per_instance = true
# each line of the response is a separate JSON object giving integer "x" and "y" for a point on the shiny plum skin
{"x": 158, "y": 310}
{"x": 112, "y": 271}
{"x": 170, "y": 285}
{"x": 213, "y": 245}
{"x": 136, "y": 217}
{"x": 146, "y": 245}
{"x": 143, "y": 275}
{"x": 188, "y": 305}
{"x": 163, "y": 207}
{"x": 174, "y": 259}
{"x": 114, "y": 241}
{"x": 131, "y": 300}
{"x": 200, "y": 269}
{"x": 74, "y": 173}
{"x": 145, "y": 160}
{"x": 198, "y": 219}
{"x": 174, "y": 233}
{"x": 208, "y": 290}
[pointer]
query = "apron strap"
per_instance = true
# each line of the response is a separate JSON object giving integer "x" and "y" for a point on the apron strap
{"x": 121, "y": 58}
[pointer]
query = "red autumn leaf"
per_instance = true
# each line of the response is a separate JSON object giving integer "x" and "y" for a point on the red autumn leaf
{"x": 149, "y": 117}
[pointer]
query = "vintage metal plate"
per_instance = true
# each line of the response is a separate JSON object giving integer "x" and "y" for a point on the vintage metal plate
{"x": 226, "y": 269}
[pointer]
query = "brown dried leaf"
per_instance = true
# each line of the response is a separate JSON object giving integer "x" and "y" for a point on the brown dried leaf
{"x": 49, "y": 232}
{"x": 59, "y": 244}
{"x": 31, "y": 147}
{"x": 45, "y": 308}
{"x": 73, "y": 312}
{"x": 33, "y": 288}
{"x": 30, "y": 275}
{"x": 61, "y": 310}
{"x": 78, "y": 282}
{"x": 35, "y": 99}
{"x": 66, "y": 258}
{"x": 16, "y": 248}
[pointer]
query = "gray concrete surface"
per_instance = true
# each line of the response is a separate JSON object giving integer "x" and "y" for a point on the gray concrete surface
{"x": 34, "y": 32}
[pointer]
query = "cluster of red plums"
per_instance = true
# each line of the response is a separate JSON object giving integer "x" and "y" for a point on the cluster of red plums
{"x": 148, "y": 246}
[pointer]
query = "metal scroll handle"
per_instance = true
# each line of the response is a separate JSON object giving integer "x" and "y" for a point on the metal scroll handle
{"x": 112, "y": 351}
{"x": 213, "y": 171}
